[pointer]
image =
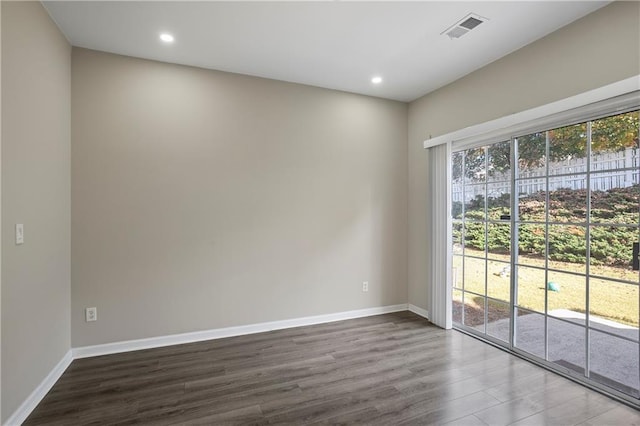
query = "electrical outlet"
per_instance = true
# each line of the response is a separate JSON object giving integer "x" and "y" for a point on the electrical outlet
{"x": 19, "y": 233}
{"x": 91, "y": 314}
{"x": 365, "y": 286}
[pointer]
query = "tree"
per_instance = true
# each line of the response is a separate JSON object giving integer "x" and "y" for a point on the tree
{"x": 609, "y": 134}
{"x": 615, "y": 133}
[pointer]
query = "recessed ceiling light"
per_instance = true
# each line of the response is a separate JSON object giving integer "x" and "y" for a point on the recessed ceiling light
{"x": 167, "y": 38}
{"x": 376, "y": 80}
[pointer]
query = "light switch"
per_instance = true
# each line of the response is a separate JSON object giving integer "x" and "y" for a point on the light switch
{"x": 19, "y": 233}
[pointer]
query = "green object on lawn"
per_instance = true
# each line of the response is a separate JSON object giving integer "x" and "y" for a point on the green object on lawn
{"x": 553, "y": 286}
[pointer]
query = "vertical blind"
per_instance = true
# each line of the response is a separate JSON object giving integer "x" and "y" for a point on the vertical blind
{"x": 439, "y": 210}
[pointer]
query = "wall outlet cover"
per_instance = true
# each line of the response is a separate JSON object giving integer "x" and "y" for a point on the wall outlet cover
{"x": 91, "y": 314}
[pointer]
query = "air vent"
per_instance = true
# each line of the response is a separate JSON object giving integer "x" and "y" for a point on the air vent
{"x": 464, "y": 25}
{"x": 457, "y": 32}
{"x": 471, "y": 23}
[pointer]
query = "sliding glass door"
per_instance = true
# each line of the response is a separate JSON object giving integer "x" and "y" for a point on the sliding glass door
{"x": 545, "y": 248}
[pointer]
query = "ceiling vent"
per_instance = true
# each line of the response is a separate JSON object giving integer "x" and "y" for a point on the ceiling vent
{"x": 464, "y": 25}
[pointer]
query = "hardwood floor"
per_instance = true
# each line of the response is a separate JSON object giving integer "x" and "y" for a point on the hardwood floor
{"x": 389, "y": 370}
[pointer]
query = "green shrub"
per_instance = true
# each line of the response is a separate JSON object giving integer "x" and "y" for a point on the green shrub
{"x": 610, "y": 245}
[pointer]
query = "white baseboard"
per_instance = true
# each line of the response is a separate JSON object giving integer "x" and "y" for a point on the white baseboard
{"x": 419, "y": 311}
{"x": 29, "y": 404}
{"x": 219, "y": 333}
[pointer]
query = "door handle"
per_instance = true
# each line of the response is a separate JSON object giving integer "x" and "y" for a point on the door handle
{"x": 636, "y": 260}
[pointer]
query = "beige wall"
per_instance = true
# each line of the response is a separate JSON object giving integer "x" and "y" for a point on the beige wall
{"x": 594, "y": 51}
{"x": 202, "y": 199}
{"x": 35, "y": 191}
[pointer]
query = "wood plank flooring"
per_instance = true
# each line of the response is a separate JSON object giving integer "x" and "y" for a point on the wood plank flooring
{"x": 389, "y": 369}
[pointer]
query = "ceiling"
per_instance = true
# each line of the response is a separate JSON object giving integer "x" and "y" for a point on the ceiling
{"x": 336, "y": 45}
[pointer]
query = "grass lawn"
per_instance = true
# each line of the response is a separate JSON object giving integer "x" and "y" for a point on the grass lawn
{"x": 611, "y": 300}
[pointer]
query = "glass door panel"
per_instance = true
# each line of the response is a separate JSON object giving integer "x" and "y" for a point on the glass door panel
{"x": 530, "y": 288}
{"x": 566, "y": 343}
{"x": 474, "y": 311}
{"x": 546, "y": 242}
{"x": 499, "y": 319}
{"x": 568, "y": 299}
{"x": 457, "y": 306}
{"x": 499, "y": 281}
{"x": 568, "y": 151}
{"x": 614, "y": 362}
{"x": 481, "y": 267}
{"x": 530, "y": 332}
{"x": 567, "y": 248}
{"x": 614, "y": 216}
{"x": 499, "y": 162}
{"x": 568, "y": 199}
{"x": 531, "y": 244}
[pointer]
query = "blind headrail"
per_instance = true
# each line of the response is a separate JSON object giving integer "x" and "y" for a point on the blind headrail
{"x": 617, "y": 97}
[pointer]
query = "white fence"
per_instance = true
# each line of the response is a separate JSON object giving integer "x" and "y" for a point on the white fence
{"x": 606, "y": 167}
